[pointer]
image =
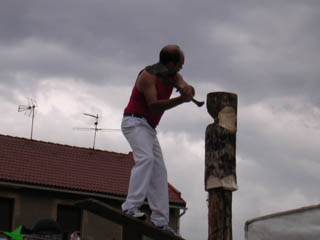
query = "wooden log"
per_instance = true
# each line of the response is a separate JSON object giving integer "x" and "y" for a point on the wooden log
{"x": 220, "y": 147}
{"x": 220, "y": 163}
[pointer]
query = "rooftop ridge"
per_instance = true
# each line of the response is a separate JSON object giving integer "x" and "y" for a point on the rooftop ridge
{"x": 62, "y": 144}
{"x": 53, "y": 186}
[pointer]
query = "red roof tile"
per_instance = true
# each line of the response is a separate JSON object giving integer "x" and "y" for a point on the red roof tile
{"x": 62, "y": 166}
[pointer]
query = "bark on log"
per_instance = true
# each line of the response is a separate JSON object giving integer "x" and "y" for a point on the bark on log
{"x": 220, "y": 216}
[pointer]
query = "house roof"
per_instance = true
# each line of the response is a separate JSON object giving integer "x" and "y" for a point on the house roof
{"x": 68, "y": 167}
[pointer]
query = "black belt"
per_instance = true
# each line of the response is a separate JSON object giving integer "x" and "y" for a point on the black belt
{"x": 131, "y": 115}
{"x": 136, "y": 116}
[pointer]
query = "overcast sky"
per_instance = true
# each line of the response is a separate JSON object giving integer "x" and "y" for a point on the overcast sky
{"x": 76, "y": 56}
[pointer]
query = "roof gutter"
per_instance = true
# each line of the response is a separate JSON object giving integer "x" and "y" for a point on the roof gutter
{"x": 184, "y": 210}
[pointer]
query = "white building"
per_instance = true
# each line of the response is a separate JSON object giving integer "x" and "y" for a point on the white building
{"x": 297, "y": 224}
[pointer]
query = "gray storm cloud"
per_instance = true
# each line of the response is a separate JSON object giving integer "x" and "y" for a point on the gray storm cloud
{"x": 75, "y": 56}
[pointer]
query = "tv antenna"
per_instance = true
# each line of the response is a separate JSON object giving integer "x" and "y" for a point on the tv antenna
{"x": 95, "y": 128}
{"x": 30, "y": 110}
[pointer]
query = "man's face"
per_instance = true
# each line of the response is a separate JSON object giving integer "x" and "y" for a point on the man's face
{"x": 174, "y": 68}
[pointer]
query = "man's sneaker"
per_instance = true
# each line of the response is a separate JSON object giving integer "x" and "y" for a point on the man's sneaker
{"x": 136, "y": 213}
{"x": 167, "y": 229}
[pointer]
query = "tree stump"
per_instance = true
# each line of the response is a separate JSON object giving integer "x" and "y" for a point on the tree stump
{"x": 220, "y": 163}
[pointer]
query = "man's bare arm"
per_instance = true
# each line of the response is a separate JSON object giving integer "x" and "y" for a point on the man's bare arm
{"x": 184, "y": 88}
{"x": 146, "y": 83}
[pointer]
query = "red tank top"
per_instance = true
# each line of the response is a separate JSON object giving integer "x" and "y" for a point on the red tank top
{"x": 138, "y": 105}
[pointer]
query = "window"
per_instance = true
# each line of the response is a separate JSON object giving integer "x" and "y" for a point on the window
{"x": 6, "y": 210}
{"x": 69, "y": 218}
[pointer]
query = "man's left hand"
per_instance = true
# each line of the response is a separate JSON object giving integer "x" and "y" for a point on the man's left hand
{"x": 187, "y": 92}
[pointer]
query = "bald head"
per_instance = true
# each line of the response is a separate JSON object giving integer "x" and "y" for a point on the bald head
{"x": 171, "y": 48}
{"x": 171, "y": 53}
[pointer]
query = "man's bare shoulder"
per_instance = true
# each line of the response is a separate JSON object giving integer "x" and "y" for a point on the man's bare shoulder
{"x": 146, "y": 74}
{"x": 145, "y": 80}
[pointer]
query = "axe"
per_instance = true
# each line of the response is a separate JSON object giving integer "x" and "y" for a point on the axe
{"x": 198, "y": 103}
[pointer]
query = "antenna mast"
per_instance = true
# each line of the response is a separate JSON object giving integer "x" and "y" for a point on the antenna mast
{"x": 30, "y": 107}
{"x": 96, "y": 129}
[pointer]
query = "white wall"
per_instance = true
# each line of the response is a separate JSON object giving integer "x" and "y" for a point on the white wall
{"x": 303, "y": 224}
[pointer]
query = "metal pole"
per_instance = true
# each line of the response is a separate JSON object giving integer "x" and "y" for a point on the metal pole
{"x": 95, "y": 130}
{"x": 33, "y": 107}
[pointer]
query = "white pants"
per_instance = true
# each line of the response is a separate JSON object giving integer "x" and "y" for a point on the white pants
{"x": 149, "y": 175}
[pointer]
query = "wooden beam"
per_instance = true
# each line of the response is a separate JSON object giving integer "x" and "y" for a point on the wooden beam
{"x": 131, "y": 224}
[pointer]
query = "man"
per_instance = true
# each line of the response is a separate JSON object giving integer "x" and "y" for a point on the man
{"x": 149, "y": 99}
